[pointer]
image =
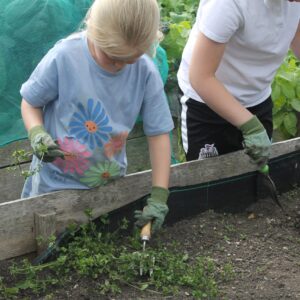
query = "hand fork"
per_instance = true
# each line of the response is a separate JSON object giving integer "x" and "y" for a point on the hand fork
{"x": 269, "y": 184}
{"x": 145, "y": 237}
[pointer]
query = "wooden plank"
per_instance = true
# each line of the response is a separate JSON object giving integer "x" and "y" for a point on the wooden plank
{"x": 6, "y": 152}
{"x": 138, "y": 153}
{"x": 174, "y": 103}
{"x": 137, "y": 131}
{"x": 44, "y": 228}
{"x": 11, "y": 184}
{"x": 17, "y": 217}
{"x": 11, "y": 181}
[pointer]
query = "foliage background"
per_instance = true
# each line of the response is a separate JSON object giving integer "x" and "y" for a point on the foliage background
{"x": 25, "y": 37}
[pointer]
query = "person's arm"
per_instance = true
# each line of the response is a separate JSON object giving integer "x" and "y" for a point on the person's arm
{"x": 160, "y": 157}
{"x": 39, "y": 138}
{"x": 205, "y": 61}
{"x": 156, "y": 209}
{"x": 295, "y": 45}
{"x": 32, "y": 116}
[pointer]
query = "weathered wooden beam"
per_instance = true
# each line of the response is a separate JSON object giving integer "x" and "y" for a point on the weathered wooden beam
{"x": 17, "y": 217}
{"x": 44, "y": 228}
{"x": 6, "y": 152}
{"x": 11, "y": 181}
{"x": 174, "y": 102}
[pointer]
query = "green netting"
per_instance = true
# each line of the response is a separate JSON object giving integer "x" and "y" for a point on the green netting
{"x": 28, "y": 29}
{"x": 161, "y": 62}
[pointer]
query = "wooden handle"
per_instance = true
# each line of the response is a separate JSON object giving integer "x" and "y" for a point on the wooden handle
{"x": 146, "y": 232}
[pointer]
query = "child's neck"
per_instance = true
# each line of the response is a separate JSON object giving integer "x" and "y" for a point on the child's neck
{"x": 101, "y": 59}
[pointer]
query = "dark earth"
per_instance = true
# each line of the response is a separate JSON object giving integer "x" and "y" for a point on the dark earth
{"x": 262, "y": 244}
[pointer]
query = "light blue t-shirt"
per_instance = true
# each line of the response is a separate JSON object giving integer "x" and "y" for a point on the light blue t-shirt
{"x": 90, "y": 112}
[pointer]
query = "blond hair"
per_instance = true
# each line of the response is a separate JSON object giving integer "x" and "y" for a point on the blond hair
{"x": 124, "y": 28}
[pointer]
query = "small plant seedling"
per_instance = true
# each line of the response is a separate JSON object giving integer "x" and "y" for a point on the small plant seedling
{"x": 112, "y": 260}
{"x": 21, "y": 155}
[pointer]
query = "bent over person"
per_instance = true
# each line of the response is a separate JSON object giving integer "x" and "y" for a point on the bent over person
{"x": 84, "y": 97}
{"x": 227, "y": 67}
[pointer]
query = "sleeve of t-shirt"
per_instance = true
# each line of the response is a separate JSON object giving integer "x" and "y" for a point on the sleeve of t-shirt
{"x": 155, "y": 110}
{"x": 42, "y": 85}
{"x": 219, "y": 20}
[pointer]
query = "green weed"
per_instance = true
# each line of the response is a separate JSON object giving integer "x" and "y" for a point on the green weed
{"x": 113, "y": 261}
{"x": 20, "y": 156}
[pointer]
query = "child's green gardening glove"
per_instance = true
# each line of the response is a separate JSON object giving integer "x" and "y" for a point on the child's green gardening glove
{"x": 256, "y": 141}
{"x": 43, "y": 145}
{"x": 155, "y": 210}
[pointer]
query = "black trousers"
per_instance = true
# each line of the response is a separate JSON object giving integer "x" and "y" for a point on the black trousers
{"x": 206, "y": 134}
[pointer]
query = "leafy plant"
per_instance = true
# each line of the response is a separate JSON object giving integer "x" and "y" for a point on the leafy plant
{"x": 113, "y": 260}
{"x": 21, "y": 155}
{"x": 286, "y": 97}
{"x": 177, "y": 19}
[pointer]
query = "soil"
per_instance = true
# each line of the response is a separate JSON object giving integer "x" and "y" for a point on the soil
{"x": 262, "y": 244}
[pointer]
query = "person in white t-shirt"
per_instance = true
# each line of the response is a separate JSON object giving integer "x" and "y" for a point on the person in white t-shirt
{"x": 227, "y": 67}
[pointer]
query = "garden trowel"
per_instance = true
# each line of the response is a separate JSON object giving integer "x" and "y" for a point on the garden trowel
{"x": 266, "y": 182}
{"x": 145, "y": 237}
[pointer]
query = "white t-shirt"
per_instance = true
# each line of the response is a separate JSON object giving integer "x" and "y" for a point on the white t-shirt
{"x": 258, "y": 34}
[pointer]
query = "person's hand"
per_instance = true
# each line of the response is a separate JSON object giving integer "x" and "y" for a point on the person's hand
{"x": 43, "y": 145}
{"x": 155, "y": 210}
{"x": 256, "y": 141}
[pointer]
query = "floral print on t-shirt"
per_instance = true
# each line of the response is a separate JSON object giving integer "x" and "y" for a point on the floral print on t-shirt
{"x": 101, "y": 173}
{"x": 92, "y": 149}
{"x": 115, "y": 144}
{"x": 76, "y": 156}
{"x": 90, "y": 125}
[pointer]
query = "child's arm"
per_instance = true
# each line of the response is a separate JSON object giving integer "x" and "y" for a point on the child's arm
{"x": 160, "y": 156}
{"x": 206, "y": 58}
{"x": 295, "y": 46}
{"x": 32, "y": 116}
{"x": 156, "y": 208}
{"x": 39, "y": 138}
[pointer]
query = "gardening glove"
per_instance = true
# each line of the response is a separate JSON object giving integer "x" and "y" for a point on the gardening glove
{"x": 155, "y": 210}
{"x": 41, "y": 140}
{"x": 256, "y": 141}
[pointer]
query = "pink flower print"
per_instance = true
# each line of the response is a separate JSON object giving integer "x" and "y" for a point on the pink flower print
{"x": 76, "y": 155}
{"x": 115, "y": 144}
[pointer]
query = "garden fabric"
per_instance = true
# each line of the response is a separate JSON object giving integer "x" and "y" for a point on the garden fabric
{"x": 28, "y": 29}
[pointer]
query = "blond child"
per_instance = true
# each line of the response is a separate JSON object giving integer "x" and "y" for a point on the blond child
{"x": 83, "y": 99}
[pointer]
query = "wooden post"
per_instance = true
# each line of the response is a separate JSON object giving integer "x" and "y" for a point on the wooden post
{"x": 45, "y": 227}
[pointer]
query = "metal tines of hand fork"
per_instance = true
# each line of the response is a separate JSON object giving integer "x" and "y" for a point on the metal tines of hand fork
{"x": 145, "y": 237}
{"x": 269, "y": 184}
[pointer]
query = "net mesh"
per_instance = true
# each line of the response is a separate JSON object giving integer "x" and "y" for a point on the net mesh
{"x": 28, "y": 29}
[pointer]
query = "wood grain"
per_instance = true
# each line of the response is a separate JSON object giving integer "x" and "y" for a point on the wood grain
{"x": 17, "y": 232}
